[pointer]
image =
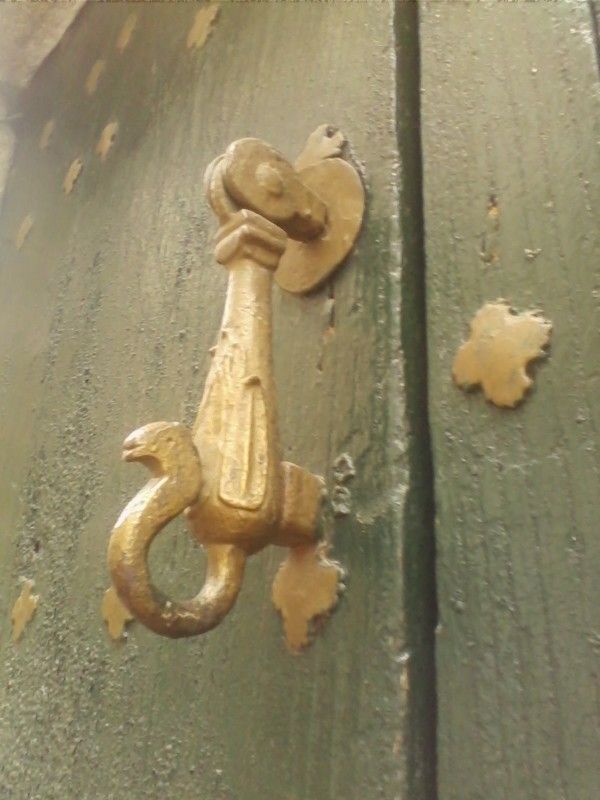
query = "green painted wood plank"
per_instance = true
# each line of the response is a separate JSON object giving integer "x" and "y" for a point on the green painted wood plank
{"x": 106, "y": 317}
{"x": 511, "y": 115}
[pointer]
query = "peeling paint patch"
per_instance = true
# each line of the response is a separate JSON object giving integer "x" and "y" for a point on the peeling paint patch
{"x": 23, "y": 609}
{"x": 91, "y": 82}
{"x": 23, "y": 231}
{"x": 532, "y": 253}
{"x": 341, "y": 496}
{"x": 202, "y": 26}
{"x": 501, "y": 345}
{"x": 341, "y": 501}
{"x": 115, "y": 614}
{"x": 124, "y": 36}
{"x": 343, "y": 468}
{"x": 490, "y": 240}
{"x": 72, "y": 175}
{"x": 46, "y": 134}
{"x": 306, "y": 588}
{"x": 107, "y": 139}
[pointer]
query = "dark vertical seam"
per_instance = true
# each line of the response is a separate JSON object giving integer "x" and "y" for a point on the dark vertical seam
{"x": 595, "y": 12}
{"x": 420, "y": 599}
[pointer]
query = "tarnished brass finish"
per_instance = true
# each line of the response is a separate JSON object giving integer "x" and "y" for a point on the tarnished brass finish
{"x": 306, "y": 264}
{"x": 496, "y": 356}
{"x": 226, "y": 475}
{"x": 306, "y": 587}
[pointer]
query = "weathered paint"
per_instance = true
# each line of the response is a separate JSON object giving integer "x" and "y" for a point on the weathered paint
{"x": 231, "y": 714}
{"x": 511, "y": 111}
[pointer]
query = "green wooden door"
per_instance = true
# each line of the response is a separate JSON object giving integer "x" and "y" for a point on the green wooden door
{"x": 511, "y": 154}
{"x": 475, "y": 127}
{"x": 109, "y": 305}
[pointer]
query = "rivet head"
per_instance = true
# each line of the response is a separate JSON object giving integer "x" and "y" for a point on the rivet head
{"x": 202, "y": 25}
{"x": 72, "y": 175}
{"x": 23, "y": 609}
{"x": 501, "y": 346}
{"x": 306, "y": 588}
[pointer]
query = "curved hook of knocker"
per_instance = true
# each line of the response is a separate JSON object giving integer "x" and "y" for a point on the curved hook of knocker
{"x": 226, "y": 474}
{"x": 168, "y": 451}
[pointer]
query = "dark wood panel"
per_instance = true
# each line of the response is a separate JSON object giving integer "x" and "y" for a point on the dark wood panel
{"x": 106, "y": 317}
{"x": 511, "y": 126}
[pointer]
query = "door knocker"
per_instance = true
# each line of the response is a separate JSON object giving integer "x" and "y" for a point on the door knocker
{"x": 226, "y": 475}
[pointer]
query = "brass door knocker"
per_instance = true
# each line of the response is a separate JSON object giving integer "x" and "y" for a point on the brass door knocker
{"x": 226, "y": 475}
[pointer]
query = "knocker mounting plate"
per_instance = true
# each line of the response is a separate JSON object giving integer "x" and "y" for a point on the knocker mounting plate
{"x": 305, "y": 265}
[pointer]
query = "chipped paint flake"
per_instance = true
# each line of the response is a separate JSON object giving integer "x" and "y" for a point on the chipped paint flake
{"x": 23, "y": 231}
{"x": 72, "y": 175}
{"x": 115, "y": 614}
{"x": 46, "y": 134}
{"x": 127, "y": 30}
{"x": 91, "y": 82}
{"x": 343, "y": 468}
{"x": 501, "y": 345}
{"x": 107, "y": 139}
{"x": 490, "y": 241}
{"x": 203, "y": 23}
{"x": 307, "y": 587}
{"x": 23, "y": 609}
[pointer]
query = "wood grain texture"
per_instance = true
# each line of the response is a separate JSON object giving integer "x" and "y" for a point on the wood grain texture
{"x": 511, "y": 133}
{"x": 107, "y": 314}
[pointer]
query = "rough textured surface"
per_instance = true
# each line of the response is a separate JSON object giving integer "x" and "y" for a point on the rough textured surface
{"x": 106, "y": 318}
{"x": 511, "y": 132}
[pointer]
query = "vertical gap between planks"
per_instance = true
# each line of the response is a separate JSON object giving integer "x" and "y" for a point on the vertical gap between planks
{"x": 595, "y": 12}
{"x": 419, "y": 544}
